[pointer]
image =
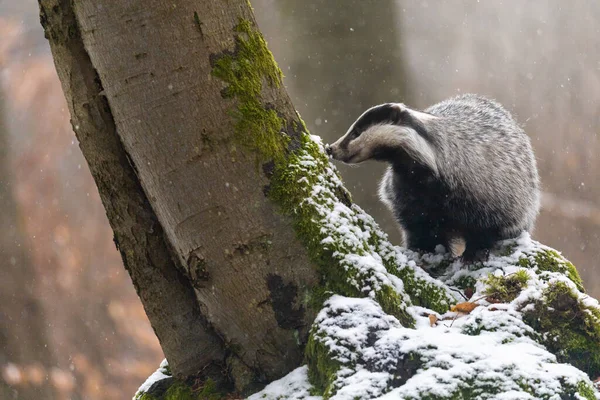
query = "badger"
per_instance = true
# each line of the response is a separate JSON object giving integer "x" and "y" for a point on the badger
{"x": 462, "y": 169}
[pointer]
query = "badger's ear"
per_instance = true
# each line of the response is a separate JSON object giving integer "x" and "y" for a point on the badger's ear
{"x": 414, "y": 115}
{"x": 396, "y": 112}
{"x": 402, "y": 112}
{"x": 387, "y": 113}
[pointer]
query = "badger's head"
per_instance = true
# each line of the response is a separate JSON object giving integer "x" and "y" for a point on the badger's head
{"x": 386, "y": 133}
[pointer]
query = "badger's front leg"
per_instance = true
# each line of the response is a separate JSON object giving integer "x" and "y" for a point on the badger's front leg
{"x": 477, "y": 247}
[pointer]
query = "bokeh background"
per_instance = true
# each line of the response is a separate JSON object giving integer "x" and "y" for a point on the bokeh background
{"x": 71, "y": 325}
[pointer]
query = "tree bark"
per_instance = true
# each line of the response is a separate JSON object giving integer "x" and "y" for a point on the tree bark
{"x": 221, "y": 274}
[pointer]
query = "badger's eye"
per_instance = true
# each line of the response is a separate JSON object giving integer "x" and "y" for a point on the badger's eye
{"x": 353, "y": 134}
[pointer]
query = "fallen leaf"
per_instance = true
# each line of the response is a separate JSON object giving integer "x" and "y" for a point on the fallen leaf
{"x": 468, "y": 292}
{"x": 432, "y": 319}
{"x": 465, "y": 307}
{"x": 492, "y": 300}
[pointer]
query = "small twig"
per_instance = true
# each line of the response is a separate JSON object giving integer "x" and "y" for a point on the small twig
{"x": 460, "y": 292}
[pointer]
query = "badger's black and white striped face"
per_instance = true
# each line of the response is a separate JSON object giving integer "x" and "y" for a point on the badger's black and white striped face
{"x": 380, "y": 132}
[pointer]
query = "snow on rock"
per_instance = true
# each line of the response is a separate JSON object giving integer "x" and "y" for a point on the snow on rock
{"x": 378, "y": 358}
{"x": 499, "y": 350}
{"x": 161, "y": 373}
{"x": 536, "y": 283}
{"x": 293, "y": 386}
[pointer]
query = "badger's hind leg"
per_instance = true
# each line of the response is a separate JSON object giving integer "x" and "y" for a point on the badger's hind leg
{"x": 477, "y": 247}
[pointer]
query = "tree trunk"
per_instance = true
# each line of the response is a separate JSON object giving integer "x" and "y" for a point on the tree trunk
{"x": 221, "y": 274}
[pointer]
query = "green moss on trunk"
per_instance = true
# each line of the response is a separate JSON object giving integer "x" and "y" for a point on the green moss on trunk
{"x": 245, "y": 70}
{"x": 291, "y": 187}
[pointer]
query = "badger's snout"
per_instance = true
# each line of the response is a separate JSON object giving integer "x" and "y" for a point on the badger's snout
{"x": 334, "y": 151}
{"x": 338, "y": 151}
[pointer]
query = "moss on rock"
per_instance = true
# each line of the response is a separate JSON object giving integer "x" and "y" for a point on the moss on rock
{"x": 569, "y": 328}
{"x": 422, "y": 292}
{"x": 322, "y": 368}
{"x": 548, "y": 260}
{"x": 466, "y": 282}
{"x": 504, "y": 289}
{"x": 480, "y": 388}
{"x": 356, "y": 350}
{"x": 585, "y": 390}
{"x": 177, "y": 390}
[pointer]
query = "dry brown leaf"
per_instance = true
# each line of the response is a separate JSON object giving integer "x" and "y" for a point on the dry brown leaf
{"x": 492, "y": 300}
{"x": 432, "y": 319}
{"x": 465, "y": 307}
{"x": 468, "y": 292}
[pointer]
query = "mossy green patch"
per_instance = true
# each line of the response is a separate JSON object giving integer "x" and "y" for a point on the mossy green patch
{"x": 422, "y": 292}
{"x": 568, "y": 327}
{"x": 246, "y": 70}
{"x": 182, "y": 391}
{"x": 504, "y": 289}
{"x": 586, "y": 391}
{"x": 479, "y": 388}
{"x": 291, "y": 186}
{"x": 507, "y": 249}
{"x": 322, "y": 368}
{"x": 324, "y": 371}
{"x": 551, "y": 261}
{"x": 465, "y": 282}
{"x": 209, "y": 391}
{"x": 179, "y": 391}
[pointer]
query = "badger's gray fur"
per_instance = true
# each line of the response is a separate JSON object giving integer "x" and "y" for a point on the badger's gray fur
{"x": 462, "y": 168}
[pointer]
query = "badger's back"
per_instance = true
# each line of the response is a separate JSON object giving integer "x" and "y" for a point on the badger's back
{"x": 487, "y": 164}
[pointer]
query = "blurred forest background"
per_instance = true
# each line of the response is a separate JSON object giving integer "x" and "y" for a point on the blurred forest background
{"x": 71, "y": 325}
